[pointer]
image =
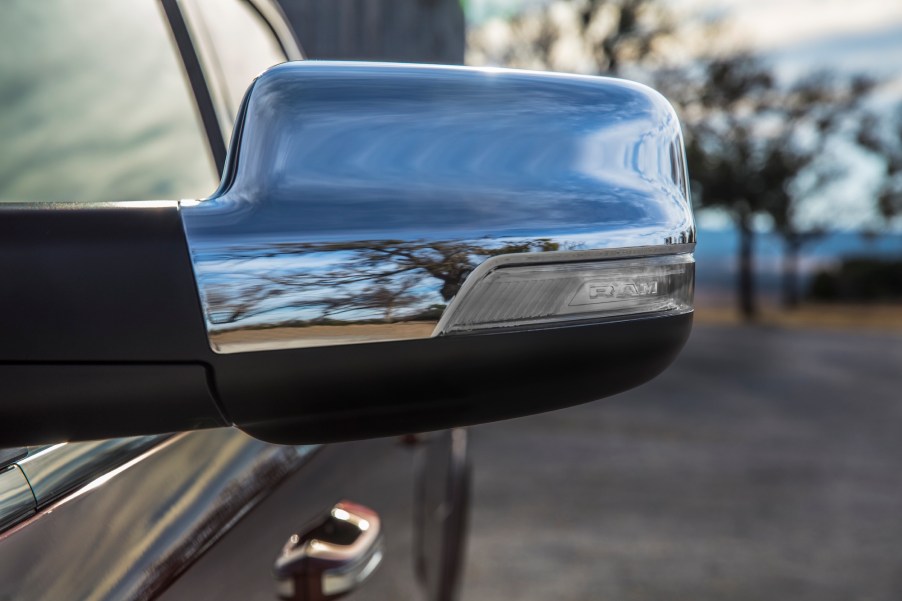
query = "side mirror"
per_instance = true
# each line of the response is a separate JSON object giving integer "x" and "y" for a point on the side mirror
{"x": 393, "y": 248}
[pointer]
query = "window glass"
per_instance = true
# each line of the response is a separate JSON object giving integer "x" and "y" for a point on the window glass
{"x": 235, "y": 46}
{"x": 94, "y": 105}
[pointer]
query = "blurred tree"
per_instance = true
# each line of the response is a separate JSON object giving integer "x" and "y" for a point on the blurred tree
{"x": 782, "y": 165}
{"x": 723, "y": 102}
{"x": 883, "y": 137}
{"x": 795, "y": 163}
{"x": 590, "y": 36}
{"x": 859, "y": 279}
{"x": 756, "y": 148}
{"x": 623, "y": 31}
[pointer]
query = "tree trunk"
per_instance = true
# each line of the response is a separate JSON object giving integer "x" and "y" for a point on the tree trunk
{"x": 791, "y": 273}
{"x": 746, "y": 273}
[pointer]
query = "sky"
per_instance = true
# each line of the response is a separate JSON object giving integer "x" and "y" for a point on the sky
{"x": 770, "y": 23}
{"x": 784, "y": 23}
{"x": 798, "y": 36}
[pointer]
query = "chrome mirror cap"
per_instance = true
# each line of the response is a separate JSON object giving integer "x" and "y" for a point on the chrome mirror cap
{"x": 361, "y": 199}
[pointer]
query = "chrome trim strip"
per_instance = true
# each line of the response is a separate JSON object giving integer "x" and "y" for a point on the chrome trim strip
{"x": 16, "y": 500}
{"x": 60, "y": 469}
{"x": 360, "y": 196}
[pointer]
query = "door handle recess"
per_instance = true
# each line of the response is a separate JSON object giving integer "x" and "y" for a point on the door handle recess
{"x": 332, "y": 557}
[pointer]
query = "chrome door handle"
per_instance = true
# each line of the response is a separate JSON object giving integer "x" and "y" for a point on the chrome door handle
{"x": 332, "y": 557}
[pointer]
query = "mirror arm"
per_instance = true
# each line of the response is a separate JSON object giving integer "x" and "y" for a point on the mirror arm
{"x": 103, "y": 336}
{"x": 102, "y": 333}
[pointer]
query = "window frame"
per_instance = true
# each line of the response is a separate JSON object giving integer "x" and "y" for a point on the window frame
{"x": 208, "y": 100}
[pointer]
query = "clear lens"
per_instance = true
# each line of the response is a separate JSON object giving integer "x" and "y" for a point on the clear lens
{"x": 552, "y": 293}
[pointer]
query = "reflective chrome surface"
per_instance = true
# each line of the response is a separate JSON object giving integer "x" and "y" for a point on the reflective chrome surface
{"x": 131, "y": 532}
{"x": 16, "y": 500}
{"x": 358, "y": 197}
{"x": 333, "y": 558}
{"x": 59, "y": 469}
{"x": 378, "y": 473}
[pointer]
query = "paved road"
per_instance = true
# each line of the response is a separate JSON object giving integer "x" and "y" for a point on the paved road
{"x": 765, "y": 464}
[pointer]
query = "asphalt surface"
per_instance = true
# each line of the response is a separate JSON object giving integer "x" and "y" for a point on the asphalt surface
{"x": 765, "y": 464}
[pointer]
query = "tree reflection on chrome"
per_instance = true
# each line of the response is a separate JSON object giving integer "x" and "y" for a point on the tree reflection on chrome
{"x": 383, "y": 281}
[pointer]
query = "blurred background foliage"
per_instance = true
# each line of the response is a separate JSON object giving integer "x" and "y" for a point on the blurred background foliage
{"x": 799, "y": 161}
